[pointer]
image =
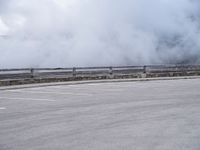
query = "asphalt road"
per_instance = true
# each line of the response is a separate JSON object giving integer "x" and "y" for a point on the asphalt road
{"x": 147, "y": 115}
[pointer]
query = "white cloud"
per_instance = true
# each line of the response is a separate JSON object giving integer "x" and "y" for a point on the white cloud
{"x": 60, "y": 33}
{"x": 3, "y": 28}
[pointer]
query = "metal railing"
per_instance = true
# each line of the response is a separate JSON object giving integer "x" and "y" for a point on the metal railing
{"x": 95, "y": 71}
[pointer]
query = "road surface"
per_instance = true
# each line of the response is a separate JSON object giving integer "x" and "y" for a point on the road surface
{"x": 147, "y": 115}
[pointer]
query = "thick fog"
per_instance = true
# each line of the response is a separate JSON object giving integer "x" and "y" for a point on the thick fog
{"x": 66, "y": 33}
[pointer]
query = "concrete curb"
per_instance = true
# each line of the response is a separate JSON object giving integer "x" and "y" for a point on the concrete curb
{"x": 94, "y": 81}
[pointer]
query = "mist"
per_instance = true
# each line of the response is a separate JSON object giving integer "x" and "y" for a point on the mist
{"x": 66, "y": 33}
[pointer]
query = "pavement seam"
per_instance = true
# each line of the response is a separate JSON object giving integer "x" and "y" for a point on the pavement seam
{"x": 28, "y": 99}
{"x": 2, "y": 108}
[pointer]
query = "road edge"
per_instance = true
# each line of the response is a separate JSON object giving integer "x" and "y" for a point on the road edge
{"x": 34, "y": 85}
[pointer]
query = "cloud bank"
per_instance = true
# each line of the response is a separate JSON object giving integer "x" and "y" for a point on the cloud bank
{"x": 66, "y": 33}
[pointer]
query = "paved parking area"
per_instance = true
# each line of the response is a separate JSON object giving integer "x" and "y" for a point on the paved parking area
{"x": 146, "y": 115}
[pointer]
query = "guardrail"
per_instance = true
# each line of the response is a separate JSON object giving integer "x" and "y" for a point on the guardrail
{"x": 105, "y": 72}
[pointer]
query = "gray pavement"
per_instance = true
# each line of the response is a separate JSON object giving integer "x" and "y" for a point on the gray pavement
{"x": 146, "y": 115}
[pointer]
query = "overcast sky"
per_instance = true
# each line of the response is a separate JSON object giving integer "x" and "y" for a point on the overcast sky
{"x": 66, "y": 33}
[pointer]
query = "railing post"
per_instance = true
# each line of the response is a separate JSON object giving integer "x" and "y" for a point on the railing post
{"x": 32, "y": 72}
{"x": 74, "y": 72}
{"x": 110, "y": 72}
{"x": 145, "y": 69}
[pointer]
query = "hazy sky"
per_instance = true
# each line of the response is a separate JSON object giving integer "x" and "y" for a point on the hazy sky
{"x": 65, "y": 33}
